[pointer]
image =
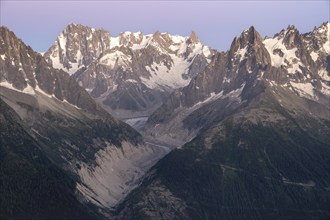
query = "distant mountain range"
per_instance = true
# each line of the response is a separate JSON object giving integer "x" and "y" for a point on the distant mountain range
{"x": 248, "y": 128}
{"x": 131, "y": 74}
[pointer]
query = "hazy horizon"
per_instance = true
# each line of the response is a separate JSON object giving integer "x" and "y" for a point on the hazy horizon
{"x": 216, "y": 23}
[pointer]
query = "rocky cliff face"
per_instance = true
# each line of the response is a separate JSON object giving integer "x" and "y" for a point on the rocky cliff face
{"x": 77, "y": 47}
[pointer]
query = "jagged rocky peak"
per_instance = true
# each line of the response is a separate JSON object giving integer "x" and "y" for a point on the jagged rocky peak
{"x": 7, "y": 38}
{"x": 287, "y": 50}
{"x": 157, "y": 37}
{"x": 180, "y": 45}
{"x": 291, "y": 37}
{"x": 301, "y": 55}
{"x": 11, "y": 45}
{"x": 169, "y": 43}
{"x": 77, "y": 46}
{"x": 323, "y": 30}
{"x": 249, "y": 46}
{"x": 130, "y": 38}
{"x": 247, "y": 38}
{"x": 291, "y": 29}
{"x": 319, "y": 38}
{"x": 150, "y": 65}
{"x": 161, "y": 39}
{"x": 17, "y": 59}
{"x": 193, "y": 38}
{"x": 251, "y": 37}
{"x": 246, "y": 70}
{"x": 85, "y": 32}
{"x": 26, "y": 72}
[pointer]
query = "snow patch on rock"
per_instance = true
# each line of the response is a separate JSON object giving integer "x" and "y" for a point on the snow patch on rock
{"x": 304, "y": 89}
{"x": 27, "y": 90}
{"x": 288, "y": 58}
{"x": 211, "y": 98}
{"x": 323, "y": 73}
{"x": 117, "y": 58}
{"x": 314, "y": 56}
{"x": 241, "y": 52}
{"x": 164, "y": 77}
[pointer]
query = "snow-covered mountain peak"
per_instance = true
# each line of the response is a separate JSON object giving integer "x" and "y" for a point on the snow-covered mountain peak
{"x": 290, "y": 36}
{"x": 141, "y": 70}
{"x": 323, "y": 28}
{"x": 304, "y": 58}
{"x": 27, "y": 73}
{"x": 117, "y": 59}
{"x": 285, "y": 49}
{"x": 295, "y": 51}
{"x": 248, "y": 46}
{"x": 21, "y": 61}
{"x": 321, "y": 37}
{"x": 291, "y": 29}
{"x": 280, "y": 54}
{"x": 247, "y": 39}
{"x": 76, "y": 47}
{"x": 130, "y": 38}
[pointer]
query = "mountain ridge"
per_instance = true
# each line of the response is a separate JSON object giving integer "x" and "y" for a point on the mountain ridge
{"x": 250, "y": 60}
{"x": 139, "y": 69}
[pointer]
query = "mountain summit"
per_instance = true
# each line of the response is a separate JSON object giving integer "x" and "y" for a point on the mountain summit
{"x": 193, "y": 37}
{"x": 76, "y": 47}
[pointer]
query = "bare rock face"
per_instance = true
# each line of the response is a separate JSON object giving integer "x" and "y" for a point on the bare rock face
{"x": 11, "y": 57}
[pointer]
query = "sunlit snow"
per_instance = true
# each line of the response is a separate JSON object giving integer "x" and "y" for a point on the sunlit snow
{"x": 288, "y": 55}
{"x": 27, "y": 90}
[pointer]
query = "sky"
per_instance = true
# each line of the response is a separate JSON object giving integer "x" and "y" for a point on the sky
{"x": 216, "y": 23}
